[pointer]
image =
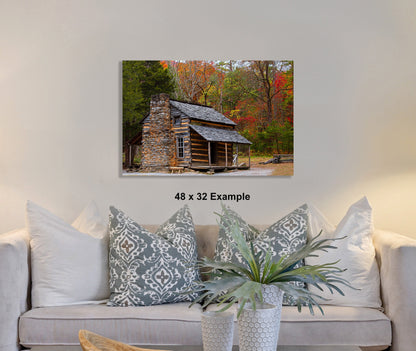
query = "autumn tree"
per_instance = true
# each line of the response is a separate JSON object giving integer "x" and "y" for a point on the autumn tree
{"x": 284, "y": 87}
{"x": 194, "y": 79}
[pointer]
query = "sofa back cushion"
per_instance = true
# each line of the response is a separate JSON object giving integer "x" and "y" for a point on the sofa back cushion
{"x": 284, "y": 237}
{"x": 69, "y": 264}
{"x": 356, "y": 254}
{"x": 152, "y": 268}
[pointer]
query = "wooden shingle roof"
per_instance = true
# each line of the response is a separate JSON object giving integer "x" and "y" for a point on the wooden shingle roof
{"x": 202, "y": 113}
{"x": 219, "y": 135}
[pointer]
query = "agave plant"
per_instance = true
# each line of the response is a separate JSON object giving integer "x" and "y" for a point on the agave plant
{"x": 232, "y": 282}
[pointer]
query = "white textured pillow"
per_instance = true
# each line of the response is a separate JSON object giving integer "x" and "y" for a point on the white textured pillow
{"x": 69, "y": 263}
{"x": 356, "y": 253}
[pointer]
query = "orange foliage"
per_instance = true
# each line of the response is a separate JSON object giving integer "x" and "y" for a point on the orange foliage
{"x": 164, "y": 64}
{"x": 194, "y": 78}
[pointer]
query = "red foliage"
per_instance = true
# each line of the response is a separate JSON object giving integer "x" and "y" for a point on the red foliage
{"x": 284, "y": 96}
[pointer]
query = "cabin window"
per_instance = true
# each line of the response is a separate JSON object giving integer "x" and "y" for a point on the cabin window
{"x": 177, "y": 121}
{"x": 180, "y": 147}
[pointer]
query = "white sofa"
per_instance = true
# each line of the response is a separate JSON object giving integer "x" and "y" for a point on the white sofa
{"x": 176, "y": 324}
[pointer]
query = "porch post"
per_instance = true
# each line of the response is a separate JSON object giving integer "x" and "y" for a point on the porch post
{"x": 237, "y": 156}
{"x": 209, "y": 153}
{"x": 226, "y": 156}
{"x": 129, "y": 162}
{"x": 249, "y": 154}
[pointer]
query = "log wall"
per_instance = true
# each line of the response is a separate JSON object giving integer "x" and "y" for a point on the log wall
{"x": 212, "y": 124}
{"x": 199, "y": 149}
{"x": 182, "y": 130}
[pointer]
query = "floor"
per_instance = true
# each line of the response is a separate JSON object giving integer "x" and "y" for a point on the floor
{"x": 199, "y": 348}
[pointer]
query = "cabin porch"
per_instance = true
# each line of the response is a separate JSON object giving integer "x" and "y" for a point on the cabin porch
{"x": 204, "y": 167}
{"x": 220, "y": 156}
{"x": 217, "y": 149}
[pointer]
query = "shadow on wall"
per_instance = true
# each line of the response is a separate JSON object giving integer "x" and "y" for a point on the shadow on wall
{"x": 391, "y": 196}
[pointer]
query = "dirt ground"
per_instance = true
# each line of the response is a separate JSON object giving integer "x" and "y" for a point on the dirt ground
{"x": 278, "y": 169}
{"x": 256, "y": 169}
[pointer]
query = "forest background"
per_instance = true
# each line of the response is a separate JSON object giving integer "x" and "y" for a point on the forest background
{"x": 256, "y": 95}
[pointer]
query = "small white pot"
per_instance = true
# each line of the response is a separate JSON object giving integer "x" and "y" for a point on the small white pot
{"x": 259, "y": 329}
{"x": 217, "y": 331}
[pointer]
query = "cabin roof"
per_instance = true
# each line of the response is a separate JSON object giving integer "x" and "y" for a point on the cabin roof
{"x": 218, "y": 134}
{"x": 136, "y": 139}
{"x": 202, "y": 113}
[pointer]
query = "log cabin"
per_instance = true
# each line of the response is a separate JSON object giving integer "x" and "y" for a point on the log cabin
{"x": 185, "y": 135}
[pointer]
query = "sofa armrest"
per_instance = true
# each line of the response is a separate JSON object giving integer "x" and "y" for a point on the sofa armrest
{"x": 14, "y": 285}
{"x": 396, "y": 256}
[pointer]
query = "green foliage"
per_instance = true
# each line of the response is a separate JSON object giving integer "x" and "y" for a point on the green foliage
{"x": 230, "y": 282}
{"x": 237, "y": 88}
{"x": 141, "y": 80}
{"x": 275, "y": 138}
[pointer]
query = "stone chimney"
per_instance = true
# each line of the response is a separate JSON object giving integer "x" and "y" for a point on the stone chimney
{"x": 158, "y": 143}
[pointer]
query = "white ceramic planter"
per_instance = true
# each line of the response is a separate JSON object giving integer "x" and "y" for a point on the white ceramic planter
{"x": 272, "y": 294}
{"x": 259, "y": 329}
{"x": 217, "y": 331}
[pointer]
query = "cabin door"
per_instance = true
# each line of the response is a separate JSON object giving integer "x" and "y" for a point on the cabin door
{"x": 213, "y": 152}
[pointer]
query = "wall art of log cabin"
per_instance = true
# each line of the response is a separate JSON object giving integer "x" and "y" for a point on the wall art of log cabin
{"x": 217, "y": 117}
{"x": 178, "y": 135}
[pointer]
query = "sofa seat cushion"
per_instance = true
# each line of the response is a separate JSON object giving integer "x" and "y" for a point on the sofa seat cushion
{"x": 177, "y": 324}
{"x": 147, "y": 325}
{"x": 359, "y": 326}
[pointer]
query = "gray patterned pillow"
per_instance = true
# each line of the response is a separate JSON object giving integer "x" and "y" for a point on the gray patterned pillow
{"x": 283, "y": 237}
{"x": 151, "y": 269}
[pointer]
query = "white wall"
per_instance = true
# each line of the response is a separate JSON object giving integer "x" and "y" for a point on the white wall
{"x": 355, "y": 103}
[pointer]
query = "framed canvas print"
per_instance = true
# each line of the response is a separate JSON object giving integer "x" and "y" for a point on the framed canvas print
{"x": 208, "y": 118}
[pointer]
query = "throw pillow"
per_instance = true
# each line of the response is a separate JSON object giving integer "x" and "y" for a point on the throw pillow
{"x": 356, "y": 253}
{"x": 284, "y": 237}
{"x": 69, "y": 266}
{"x": 151, "y": 269}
